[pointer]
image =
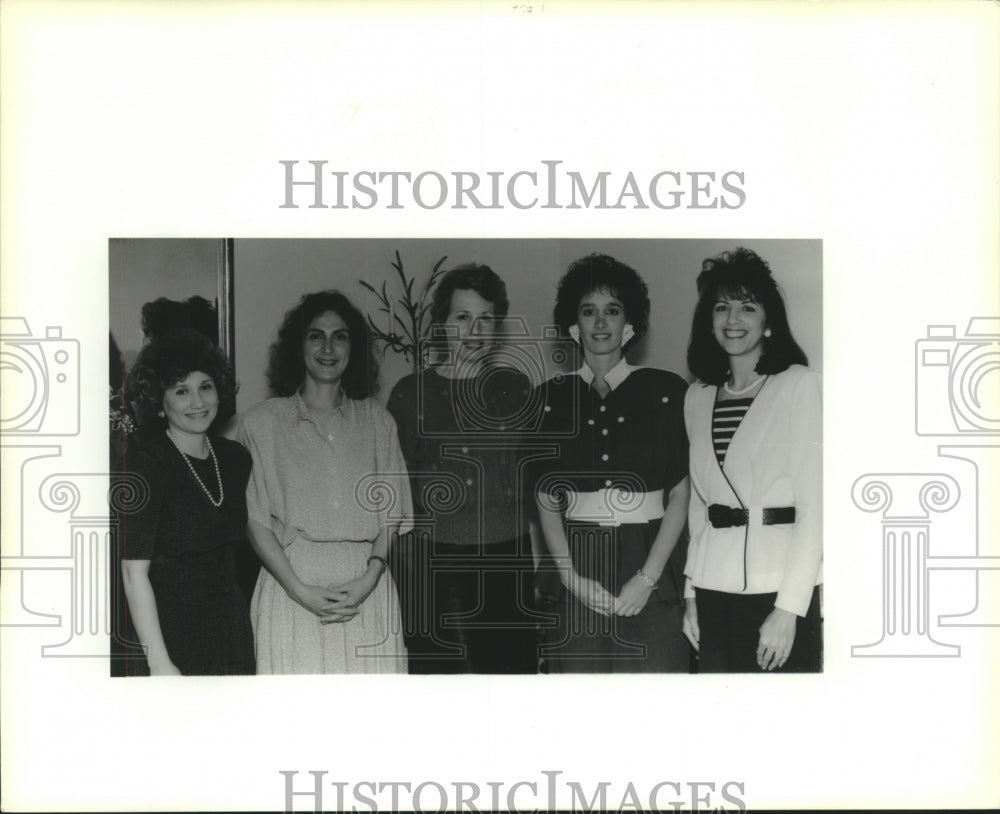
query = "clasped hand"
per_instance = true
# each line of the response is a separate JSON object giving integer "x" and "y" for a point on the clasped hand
{"x": 337, "y": 603}
{"x": 591, "y": 593}
{"x": 595, "y": 596}
{"x": 633, "y": 598}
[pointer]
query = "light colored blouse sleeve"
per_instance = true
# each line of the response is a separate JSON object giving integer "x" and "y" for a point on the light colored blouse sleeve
{"x": 805, "y": 551}
{"x": 258, "y": 499}
{"x": 393, "y": 476}
{"x": 697, "y": 507}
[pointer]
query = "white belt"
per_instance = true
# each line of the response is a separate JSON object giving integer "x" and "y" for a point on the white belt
{"x": 614, "y": 507}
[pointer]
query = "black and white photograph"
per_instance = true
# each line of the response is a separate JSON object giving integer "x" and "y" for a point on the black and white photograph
{"x": 512, "y": 405}
{"x": 463, "y": 473}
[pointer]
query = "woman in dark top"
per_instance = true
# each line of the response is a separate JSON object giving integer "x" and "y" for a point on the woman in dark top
{"x": 612, "y": 500}
{"x": 464, "y": 573}
{"x": 178, "y": 562}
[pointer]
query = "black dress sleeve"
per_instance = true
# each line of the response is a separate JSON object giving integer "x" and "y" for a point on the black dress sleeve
{"x": 675, "y": 439}
{"x": 141, "y": 524}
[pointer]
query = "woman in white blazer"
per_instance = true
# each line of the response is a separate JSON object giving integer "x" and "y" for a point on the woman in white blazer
{"x": 754, "y": 421}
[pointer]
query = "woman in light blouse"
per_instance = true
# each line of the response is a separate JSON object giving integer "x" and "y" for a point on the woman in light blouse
{"x": 754, "y": 420}
{"x": 327, "y": 493}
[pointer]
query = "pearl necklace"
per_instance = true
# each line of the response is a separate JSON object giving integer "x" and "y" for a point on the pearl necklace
{"x": 194, "y": 474}
{"x": 746, "y": 389}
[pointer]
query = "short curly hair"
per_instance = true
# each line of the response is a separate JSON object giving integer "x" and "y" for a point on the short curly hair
{"x": 166, "y": 361}
{"x": 286, "y": 369}
{"x": 473, "y": 277}
{"x": 600, "y": 272}
{"x": 740, "y": 274}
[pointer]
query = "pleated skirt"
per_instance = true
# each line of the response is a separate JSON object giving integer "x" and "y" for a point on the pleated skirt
{"x": 291, "y": 640}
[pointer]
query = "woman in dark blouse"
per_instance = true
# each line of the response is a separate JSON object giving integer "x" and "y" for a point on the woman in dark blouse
{"x": 178, "y": 552}
{"x": 612, "y": 500}
{"x": 464, "y": 572}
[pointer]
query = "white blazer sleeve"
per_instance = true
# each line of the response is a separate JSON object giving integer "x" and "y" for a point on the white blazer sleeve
{"x": 697, "y": 508}
{"x": 805, "y": 552}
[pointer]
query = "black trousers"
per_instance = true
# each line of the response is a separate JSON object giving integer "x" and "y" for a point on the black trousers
{"x": 729, "y": 627}
{"x": 466, "y": 608}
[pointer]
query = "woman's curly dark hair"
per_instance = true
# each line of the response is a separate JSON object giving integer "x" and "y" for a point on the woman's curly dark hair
{"x": 287, "y": 370}
{"x": 599, "y": 272}
{"x": 166, "y": 361}
{"x": 162, "y": 315}
{"x": 742, "y": 275}
{"x": 470, "y": 276}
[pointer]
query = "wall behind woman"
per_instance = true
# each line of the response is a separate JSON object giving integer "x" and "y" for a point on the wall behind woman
{"x": 271, "y": 275}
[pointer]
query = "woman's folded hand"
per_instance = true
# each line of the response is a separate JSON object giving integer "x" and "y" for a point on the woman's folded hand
{"x": 327, "y": 603}
{"x": 633, "y": 598}
{"x": 349, "y": 597}
{"x": 591, "y": 593}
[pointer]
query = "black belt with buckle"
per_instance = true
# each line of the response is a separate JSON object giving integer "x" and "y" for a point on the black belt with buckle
{"x": 724, "y": 517}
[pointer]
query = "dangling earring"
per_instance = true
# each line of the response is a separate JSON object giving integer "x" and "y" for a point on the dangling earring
{"x": 574, "y": 332}
{"x": 627, "y": 333}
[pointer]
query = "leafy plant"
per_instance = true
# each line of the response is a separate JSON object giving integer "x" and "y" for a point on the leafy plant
{"x": 408, "y": 316}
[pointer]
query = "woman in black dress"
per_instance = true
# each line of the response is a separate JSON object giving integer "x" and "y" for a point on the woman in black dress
{"x": 464, "y": 573}
{"x": 612, "y": 501}
{"x": 178, "y": 562}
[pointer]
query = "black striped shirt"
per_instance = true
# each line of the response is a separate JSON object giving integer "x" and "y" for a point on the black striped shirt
{"x": 726, "y": 417}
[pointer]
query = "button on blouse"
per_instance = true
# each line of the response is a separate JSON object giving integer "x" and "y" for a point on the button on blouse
{"x": 633, "y": 438}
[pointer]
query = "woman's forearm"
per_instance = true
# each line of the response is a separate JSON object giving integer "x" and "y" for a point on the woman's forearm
{"x": 145, "y": 617}
{"x": 273, "y": 557}
{"x": 674, "y": 517}
{"x": 379, "y": 560}
{"x": 550, "y": 523}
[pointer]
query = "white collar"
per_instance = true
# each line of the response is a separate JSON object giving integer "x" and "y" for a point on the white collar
{"x": 613, "y": 377}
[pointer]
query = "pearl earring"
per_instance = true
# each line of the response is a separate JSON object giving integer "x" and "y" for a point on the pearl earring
{"x": 767, "y": 333}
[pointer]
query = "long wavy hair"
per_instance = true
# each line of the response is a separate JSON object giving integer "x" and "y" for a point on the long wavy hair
{"x": 286, "y": 369}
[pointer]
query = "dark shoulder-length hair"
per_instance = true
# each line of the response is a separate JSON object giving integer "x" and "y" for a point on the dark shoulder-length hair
{"x": 168, "y": 360}
{"x": 474, "y": 277}
{"x": 742, "y": 275}
{"x": 600, "y": 272}
{"x": 286, "y": 369}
